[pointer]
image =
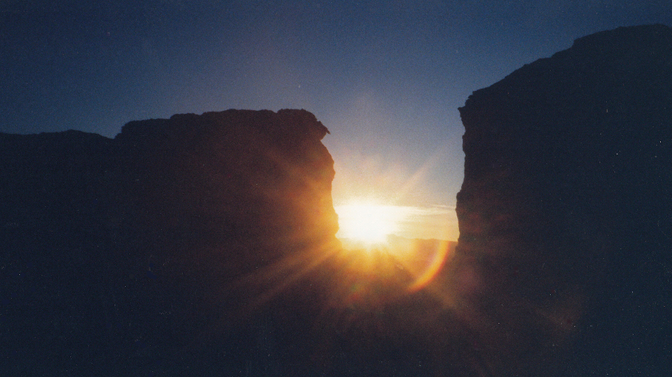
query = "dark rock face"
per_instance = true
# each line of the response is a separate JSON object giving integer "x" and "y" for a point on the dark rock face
{"x": 135, "y": 256}
{"x": 565, "y": 212}
{"x": 204, "y": 245}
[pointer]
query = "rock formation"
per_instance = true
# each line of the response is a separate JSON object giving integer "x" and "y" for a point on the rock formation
{"x": 202, "y": 245}
{"x": 134, "y": 255}
{"x": 564, "y": 261}
{"x": 205, "y": 244}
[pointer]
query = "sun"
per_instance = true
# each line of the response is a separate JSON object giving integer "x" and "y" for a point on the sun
{"x": 366, "y": 222}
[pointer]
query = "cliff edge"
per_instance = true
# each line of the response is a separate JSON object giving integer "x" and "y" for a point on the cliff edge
{"x": 565, "y": 210}
{"x": 134, "y": 255}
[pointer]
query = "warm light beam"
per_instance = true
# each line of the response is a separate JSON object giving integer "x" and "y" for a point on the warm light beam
{"x": 366, "y": 222}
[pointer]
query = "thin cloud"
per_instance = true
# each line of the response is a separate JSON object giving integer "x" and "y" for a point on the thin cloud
{"x": 433, "y": 222}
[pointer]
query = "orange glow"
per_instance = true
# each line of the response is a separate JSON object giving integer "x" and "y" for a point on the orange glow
{"x": 370, "y": 227}
{"x": 406, "y": 266}
{"x": 430, "y": 271}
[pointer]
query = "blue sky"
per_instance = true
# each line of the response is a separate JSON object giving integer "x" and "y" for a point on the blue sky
{"x": 386, "y": 77}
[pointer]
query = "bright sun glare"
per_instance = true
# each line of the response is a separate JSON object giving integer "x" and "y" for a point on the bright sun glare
{"x": 367, "y": 222}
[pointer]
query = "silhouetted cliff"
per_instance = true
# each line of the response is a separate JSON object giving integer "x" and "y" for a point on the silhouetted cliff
{"x": 203, "y": 245}
{"x": 565, "y": 212}
{"x": 133, "y": 255}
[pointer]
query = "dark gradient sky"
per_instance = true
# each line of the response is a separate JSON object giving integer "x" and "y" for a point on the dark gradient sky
{"x": 386, "y": 77}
